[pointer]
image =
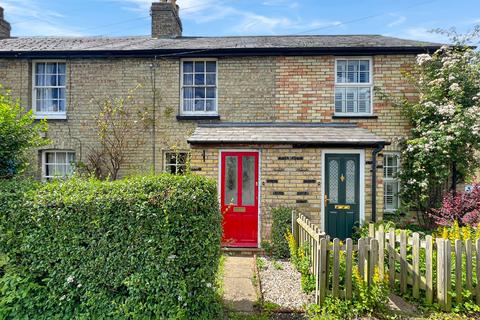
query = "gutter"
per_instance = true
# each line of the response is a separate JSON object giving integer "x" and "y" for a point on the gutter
{"x": 215, "y": 52}
{"x": 375, "y": 152}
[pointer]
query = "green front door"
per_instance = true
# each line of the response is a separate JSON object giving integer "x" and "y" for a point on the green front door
{"x": 342, "y": 194}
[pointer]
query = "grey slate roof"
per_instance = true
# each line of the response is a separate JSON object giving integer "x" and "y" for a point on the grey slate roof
{"x": 340, "y": 134}
{"x": 90, "y": 44}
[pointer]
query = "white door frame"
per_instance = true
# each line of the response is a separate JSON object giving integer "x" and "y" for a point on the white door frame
{"x": 360, "y": 152}
{"x": 219, "y": 183}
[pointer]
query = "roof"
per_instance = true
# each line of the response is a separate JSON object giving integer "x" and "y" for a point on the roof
{"x": 31, "y": 46}
{"x": 321, "y": 134}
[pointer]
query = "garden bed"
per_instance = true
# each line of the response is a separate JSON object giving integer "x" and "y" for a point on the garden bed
{"x": 281, "y": 285}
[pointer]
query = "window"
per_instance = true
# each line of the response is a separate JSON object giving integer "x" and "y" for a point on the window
{"x": 58, "y": 164}
{"x": 353, "y": 86}
{"x": 176, "y": 162}
{"x": 391, "y": 183}
{"x": 49, "y": 90}
{"x": 199, "y": 87}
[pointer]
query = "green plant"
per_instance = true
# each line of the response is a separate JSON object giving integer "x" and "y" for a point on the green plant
{"x": 293, "y": 249}
{"x": 267, "y": 246}
{"x": 277, "y": 265}
{"x": 261, "y": 265}
{"x": 281, "y": 223}
{"x": 19, "y": 133}
{"x": 332, "y": 308}
{"x": 144, "y": 247}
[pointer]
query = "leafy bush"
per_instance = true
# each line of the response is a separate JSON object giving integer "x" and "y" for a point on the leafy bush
{"x": 460, "y": 207}
{"x": 301, "y": 261}
{"x": 282, "y": 221}
{"x": 366, "y": 300}
{"x": 146, "y": 247}
{"x": 18, "y": 133}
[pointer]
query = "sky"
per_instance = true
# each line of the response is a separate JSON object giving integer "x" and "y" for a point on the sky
{"x": 410, "y": 19}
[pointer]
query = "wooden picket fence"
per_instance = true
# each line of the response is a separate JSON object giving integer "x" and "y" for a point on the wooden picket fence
{"x": 419, "y": 267}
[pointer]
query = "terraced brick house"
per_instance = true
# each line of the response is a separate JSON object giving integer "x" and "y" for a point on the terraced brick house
{"x": 276, "y": 120}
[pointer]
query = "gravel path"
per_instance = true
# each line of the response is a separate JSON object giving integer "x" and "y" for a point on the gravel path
{"x": 281, "y": 285}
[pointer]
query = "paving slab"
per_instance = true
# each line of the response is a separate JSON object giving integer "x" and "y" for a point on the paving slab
{"x": 239, "y": 293}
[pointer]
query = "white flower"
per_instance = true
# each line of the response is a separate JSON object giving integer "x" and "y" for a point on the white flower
{"x": 172, "y": 257}
{"x": 423, "y": 58}
{"x": 79, "y": 285}
{"x": 70, "y": 279}
{"x": 446, "y": 110}
{"x": 180, "y": 298}
{"x": 63, "y": 297}
{"x": 455, "y": 87}
{"x": 209, "y": 285}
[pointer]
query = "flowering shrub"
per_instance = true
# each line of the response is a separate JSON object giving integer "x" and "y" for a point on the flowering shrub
{"x": 140, "y": 248}
{"x": 462, "y": 208}
{"x": 445, "y": 124}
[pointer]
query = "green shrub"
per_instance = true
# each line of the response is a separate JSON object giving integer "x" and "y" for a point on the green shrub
{"x": 141, "y": 248}
{"x": 282, "y": 221}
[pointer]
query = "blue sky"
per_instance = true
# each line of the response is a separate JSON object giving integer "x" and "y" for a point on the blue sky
{"x": 400, "y": 18}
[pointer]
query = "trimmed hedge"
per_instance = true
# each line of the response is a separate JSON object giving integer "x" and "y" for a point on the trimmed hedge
{"x": 282, "y": 222}
{"x": 144, "y": 247}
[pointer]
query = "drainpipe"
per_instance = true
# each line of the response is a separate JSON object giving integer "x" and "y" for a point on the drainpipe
{"x": 375, "y": 152}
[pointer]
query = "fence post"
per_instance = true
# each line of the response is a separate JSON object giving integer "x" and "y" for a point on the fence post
{"x": 348, "y": 268}
{"x": 477, "y": 247}
{"x": 322, "y": 272}
{"x": 391, "y": 258}
{"x": 373, "y": 260}
{"x": 295, "y": 226}
{"x": 403, "y": 261}
{"x": 458, "y": 270}
{"x": 361, "y": 257}
{"x": 416, "y": 265}
{"x": 429, "y": 269}
{"x": 336, "y": 267}
{"x": 468, "y": 265}
{"x": 443, "y": 273}
{"x": 380, "y": 235}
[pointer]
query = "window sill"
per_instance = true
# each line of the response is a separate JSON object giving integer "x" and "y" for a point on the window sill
{"x": 353, "y": 116}
{"x": 39, "y": 116}
{"x": 198, "y": 117}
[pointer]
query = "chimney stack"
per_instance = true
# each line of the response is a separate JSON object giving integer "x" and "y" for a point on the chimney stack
{"x": 4, "y": 26}
{"x": 166, "y": 21}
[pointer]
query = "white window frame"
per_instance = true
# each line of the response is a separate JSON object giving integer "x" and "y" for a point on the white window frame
{"x": 354, "y": 85}
{"x": 389, "y": 179}
{"x": 176, "y": 165}
{"x": 47, "y": 115}
{"x": 197, "y": 113}
{"x": 44, "y": 163}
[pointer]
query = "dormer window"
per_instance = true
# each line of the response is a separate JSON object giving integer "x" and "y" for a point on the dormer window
{"x": 353, "y": 86}
{"x": 199, "y": 87}
{"x": 49, "y": 87}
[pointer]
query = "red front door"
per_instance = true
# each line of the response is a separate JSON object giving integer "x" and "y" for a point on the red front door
{"x": 239, "y": 198}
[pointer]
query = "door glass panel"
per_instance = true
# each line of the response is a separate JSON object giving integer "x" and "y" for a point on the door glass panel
{"x": 350, "y": 182}
{"x": 248, "y": 180}
{"x": 231, "y": 180}
{"x": 333, "y": 169}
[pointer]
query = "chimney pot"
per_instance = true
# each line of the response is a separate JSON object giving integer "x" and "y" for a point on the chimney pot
{"x": 166, "y": 21}
{"x": 5, "y": 27}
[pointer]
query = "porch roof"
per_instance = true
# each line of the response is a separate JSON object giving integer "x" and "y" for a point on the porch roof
{"x": 308, "y": 134}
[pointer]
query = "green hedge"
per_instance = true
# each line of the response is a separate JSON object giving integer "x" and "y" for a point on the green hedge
{"x": 282, "y": 221}
{"x": 145, "y": 247}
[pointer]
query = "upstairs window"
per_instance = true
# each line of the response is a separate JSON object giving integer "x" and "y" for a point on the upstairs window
{"x": 353, "y": 86}
{"x": 391, "y": 183}
{"x": 199, "y": 87}
{"x": 49, "y": 86}
{"x": 58, "y": 164}
{"x": 176, "y": 162}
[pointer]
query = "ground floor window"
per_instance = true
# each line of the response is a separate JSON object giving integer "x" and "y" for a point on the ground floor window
{"x": 175, "y": 162}
{"x": 58, "y": 164}
{"x": 391, "y": 182}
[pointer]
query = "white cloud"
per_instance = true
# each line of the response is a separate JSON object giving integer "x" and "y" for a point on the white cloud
{"x": 398, "y": 20}
{"x": 423, "y": 34}
{"x": 283, "y": 3}
{"x": 27, "y": 17}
